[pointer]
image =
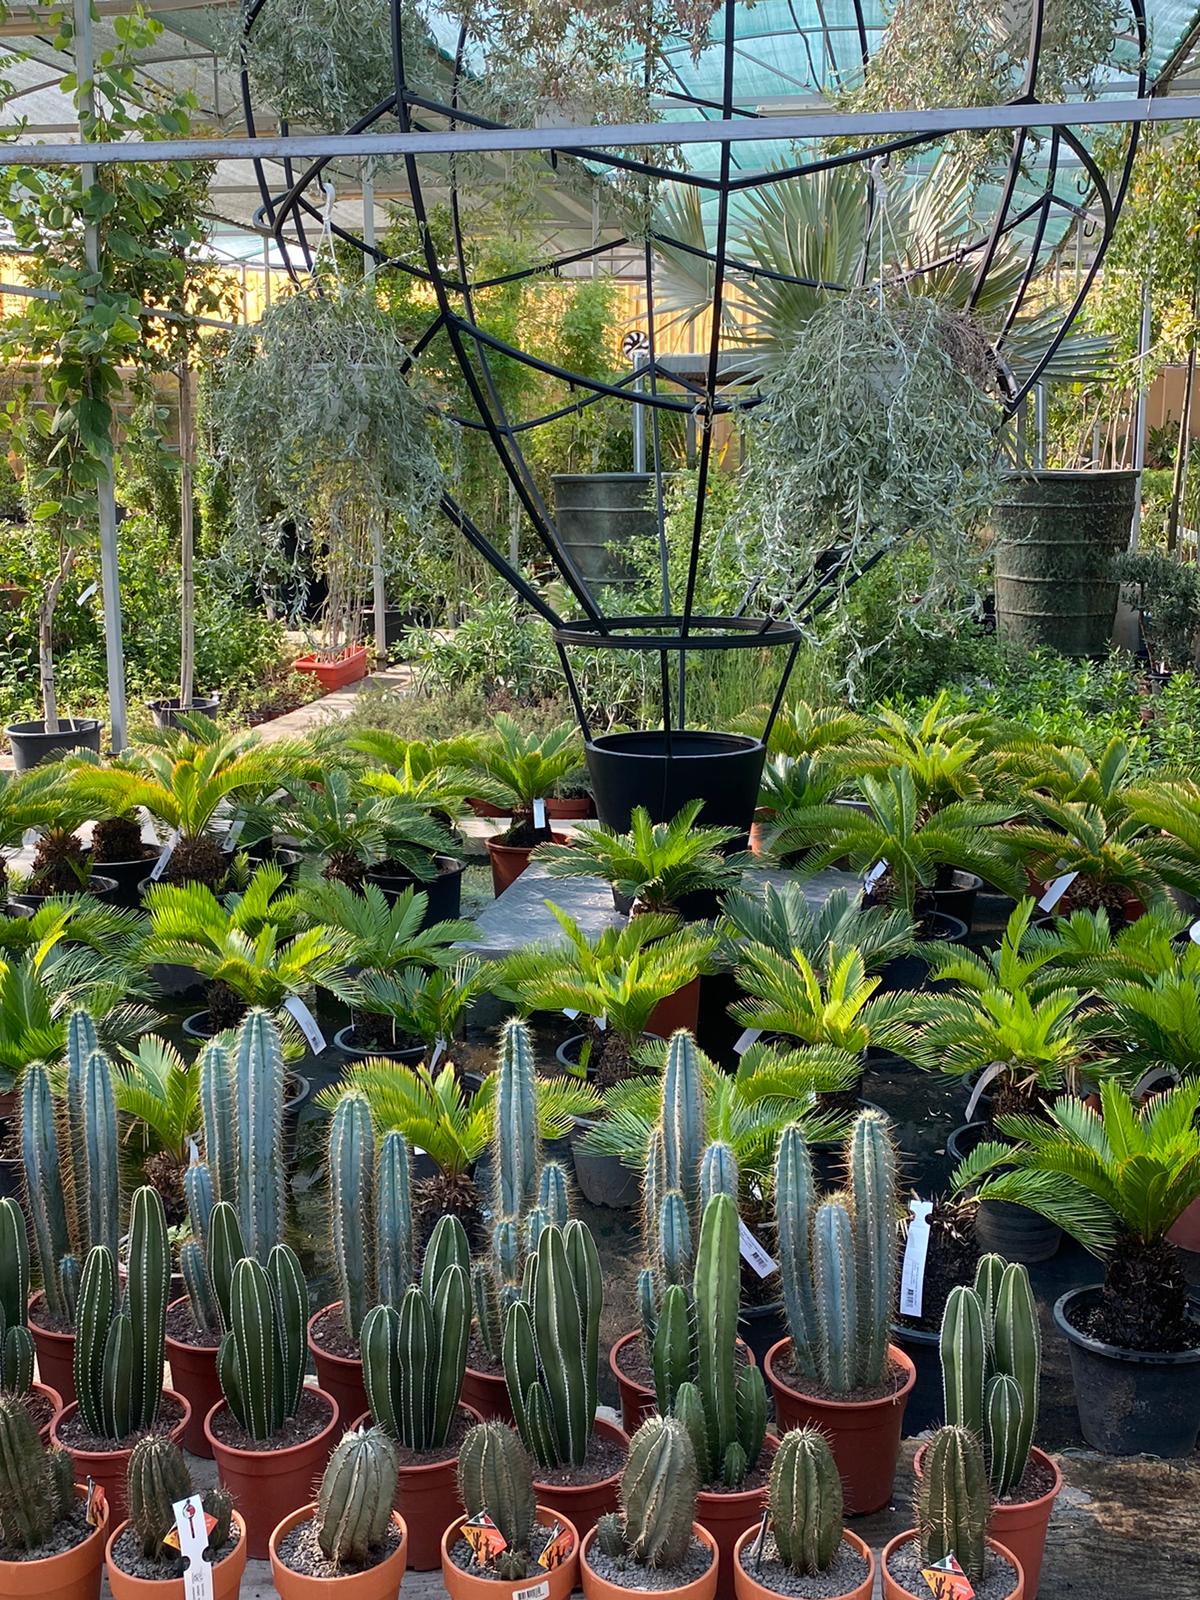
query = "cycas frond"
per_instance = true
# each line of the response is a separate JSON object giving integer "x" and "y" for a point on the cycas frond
{"x": 782, "y": 920}
{"x": 155, "y": 1087}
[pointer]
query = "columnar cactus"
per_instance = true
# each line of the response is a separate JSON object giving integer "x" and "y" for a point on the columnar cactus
{"x": 16, "y": 1345}
{"x": 658, "y": 1494}
{"x": 414, "y": 1358}
{"x": 91, "y": 1113}
{"x": 37, "y": 1488}
{"x": 953, "y": 1502}
{"x": 552, "y": 1347}
{"x": 258, "y": 1096}
{"x": 260, "y": 1360}
{"x": 158, "y": 1477}
{"x": 795, "y": 1205}
{"x": 119, "y": 1350}
{"x": 351, "y": 1181}
{"x": 354, "y": 1502}
{"x": 873, "y": 1171}
{"x": 683, "y": 1120}
{"x": 991, "y": 1364}
{"x": 217, "y": 1116}
{"x": 805, "y": 1499}
{"x": 393, "y": 1221}
{"x": 516, "y": 1145}
{"x": 495, "y": 1474}
{"x": 44, "y": 1188}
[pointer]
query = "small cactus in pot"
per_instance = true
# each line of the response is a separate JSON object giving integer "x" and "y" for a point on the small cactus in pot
{"x": 495, "y": 1478}
{"x": 157, "y": 1478}
{"x": 658, "y": 1499}
{"x": 805, "y": 1502}
{"x": 953, "y": 1502}
{"x": 354, "y": 1503}
{"x": 37, "y": 1486}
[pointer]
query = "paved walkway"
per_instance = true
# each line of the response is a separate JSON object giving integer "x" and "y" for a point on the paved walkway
{"x": 332, "y": 706}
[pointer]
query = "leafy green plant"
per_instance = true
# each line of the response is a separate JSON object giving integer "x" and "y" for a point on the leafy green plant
{"x": 382, "y": 935}
{"x": 1167, "y": 595}
{"x": 521, "y": 768}
{"x": 425, "y": 1005}
{"x": 27, "y": 800}
{"x": 838, "y": 1007}
{"x": 353, "y": 832}
{"x": 158, "y": 1092}
{"x": 784, "y": 921}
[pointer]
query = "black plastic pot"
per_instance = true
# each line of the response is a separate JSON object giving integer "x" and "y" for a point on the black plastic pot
{"x": 395, "y": 621}
{"x": 166, "y": 713}
{"x": 1131, "y": 1402}
{"x": 603, "y": 1180}
{"x": 126, "y": 875}
{"x": 926, "y": 1401}
{"x": 1012, "y": 1231}
{"x": 343, "y": 1040}
{"x": 444, "y": 891}
{"x": 958, "y": 900}
{"x": 99, "y": 887}
{"x": 760, "y": 1327}
{"x": 723, "y": 770}
{"x": 12, "y": 1176}
{"x": 910, "y": 971}
{"x": 31, "y": 744}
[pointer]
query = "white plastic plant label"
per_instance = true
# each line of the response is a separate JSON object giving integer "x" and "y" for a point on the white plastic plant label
{"x": 1194, "y": 931}
{"x": 745, "y": 1039}
{"x": 1056, "y": 891}
{"x": 87, "y": 594}
{"x": 873, "y": 877}
{"x": 164, "y": 855}
{"x": 602, "y": 1023}
{"x": 916, "y": 1253}
{"x": 439, "y": 1049}
{"x": 981, "y": 1083}
{"x": 192, "y": 1529}
{"x": 533, "y": 1591}
{"x": 753, "y": 1254}
{"x": 570, "y": 1012}
{"x": 539, "y": 813}
{"x": 232, "y": 834}
{"x": 309, "y": 1026}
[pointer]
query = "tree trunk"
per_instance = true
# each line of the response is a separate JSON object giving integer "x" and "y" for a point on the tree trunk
{"x": 380, "y": 588}
{"x": 187, "y": 582}
{"x": 46, "y": 609}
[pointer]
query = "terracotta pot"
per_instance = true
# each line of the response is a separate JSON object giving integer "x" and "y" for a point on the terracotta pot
{"x": 486, "y": 1393}
{"x": 678, "y": 1010}
{"x": 727, "y": 1516}
{"x": 573, "y": 808}
{"x": 381, "y": 1582}
{"x": 485, "y": 808}
{"x": 864, "y": 1435}
{"x": 510, "y": 860}
{"x": 56, "y": 1401}
{"x": 339, "y": 1376}
{"x": 427, "y": 1498}
{"x": 109, "y": 1467}
{"x": 761, "y": 829}
{"x": 194, "y": 1376}
{"x": 584, "y": 1502}
{"x": 747, "y": 1588}
{"x": 268, "y": 1484}
{"x": 597, "y": 1588}
{"x": 1185, "y": 1230}
{"x": 895, "y": 1591}
{"x": 226, "y": 1573}
{"x": 1021, "y": 1528}
{"x": 73, "y": 1575}
{"x": 637, "y": 1399}
{"x": 55, "y": 1354}
{"x": 462, "y": 1585}
{"x": 335, "y": 672}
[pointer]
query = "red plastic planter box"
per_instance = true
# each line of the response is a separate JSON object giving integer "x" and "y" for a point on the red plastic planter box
{"x": 335, "y": 672}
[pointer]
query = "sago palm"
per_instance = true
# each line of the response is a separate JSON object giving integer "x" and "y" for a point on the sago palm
{"x": 1114, "y": 855}
{"x": 951, "y": 756}
{"x": 520, "y": 768}
{"x": 27, "y": 800}
{"x": 783, "y": 920}
{"x": 81, "y": 919}
{"x": 786, "y": 994}
{"x": 1171, "y": 805}
{"x": 1157, "y": 1024}
{"x": 1024, "y": 962}
{"x": 381, "y": 935}
{"x": 426, "y": 1004}
{"x": 350, "y": 830}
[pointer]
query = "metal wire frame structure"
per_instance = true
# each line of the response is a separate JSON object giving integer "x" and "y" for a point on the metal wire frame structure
{"x": 657, "y": 389}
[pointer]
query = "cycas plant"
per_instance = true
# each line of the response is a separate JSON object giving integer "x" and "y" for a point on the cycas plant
{"x": 414, "y": 1006}
{"x": 382, "y": 935}
{"x": 521, "y": 768}
{"x": 787, "y": 995}
{"x": 952, "y": 756}
{"x": 784, "y": 920}
{"x": 27, "y": 800}
{"x": 654, "y": 866}
{"x": 157, "y": 1094}
{"x": 1172, "y": 805}
{"x": 804, "y": 730}
{"x": 80, "y": 919}
{"x": 352, "y": 831}
{"x": 1156, "y": 1024}
{"x": 1116, "y": 1181}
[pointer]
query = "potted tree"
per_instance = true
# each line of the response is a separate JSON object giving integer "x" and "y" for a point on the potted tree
{"x": 52, "y": 1529}
{"x": 654, "y": 1545}
{"x": 535, "y": 1544}
{"x": 349, "y": 1539}
{"x": 143, "y": 1562}
{"x": 519, "y": 772}
{"x": 1166, "y": 594}
{"x": 836, "y": 1370}
{"x": 803, "y": 1547}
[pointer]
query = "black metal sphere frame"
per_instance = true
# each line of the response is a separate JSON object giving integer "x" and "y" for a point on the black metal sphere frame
{"x": 677, "y": 630}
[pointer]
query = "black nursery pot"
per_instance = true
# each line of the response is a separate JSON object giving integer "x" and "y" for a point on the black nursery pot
{"x": 126, "y": 876}
{"x": 926, "y": 1401}
{"x": 723, "y": 770}
{"x": 759, "y": 1327}
{"x": 1131, "y": 1402}
{"x": 957, "y": 899}
{"x": 910, "y": 971}
{"x": 444, "y": 891}
{"x": 166, "y": 713}
{"x": 31, "y": 744}
{"x": 1012, "y": 1231}
{"x": 100, "y": 887}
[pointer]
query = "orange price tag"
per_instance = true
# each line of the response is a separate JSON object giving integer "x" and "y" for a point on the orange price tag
{"x": 484, "y": 1537}
{"x": 93, "y": 1511}
{"x": 172, "y": 1538}
{"x": 558, "y": 1548}
{"x": 948, "y": 1581}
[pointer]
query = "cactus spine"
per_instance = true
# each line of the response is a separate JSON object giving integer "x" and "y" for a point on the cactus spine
{"x": 683, "y": 1120}
{"x": 147, "y": 1290}
{"x": 260, "y": 1361}
{"x": 953, "y": 1502}
{"x": 351, "y": 1179}
{"x": 658, "y": 1495}
{"x": 36, "y": 1486}
{"x": 258, "y": 1104}
{"x": 516, "y": 1144}
{"x": 16, "y": 1344}
{"x": 354, "y": 1502}
{"x": 495, "y": 1475}
{"x": 805, "y": 1497}
{"x": 795, "y": 1203}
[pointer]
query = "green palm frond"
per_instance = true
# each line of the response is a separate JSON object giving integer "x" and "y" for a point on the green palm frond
{"x": 428, "y": 1003}
{"x": 382, "y": 935}
{"x": 783, "y": 920}
{"x": 159, "y": 1092}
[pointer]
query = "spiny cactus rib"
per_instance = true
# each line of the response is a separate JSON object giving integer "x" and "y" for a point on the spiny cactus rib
{"x": 147, "y": 1291}
{"x": 1018, "y": 1352}
{"x": 156, "y": 1478}
{"x": 718, "y": 1172}
{"x": 835, "y": 1288}
{"x": 517, "y": 1145}
{"x": 1003, "y": 1419}
{"x": 658, "y": 1492}
{"x": 16, "y": 1361}
{"x": 964, "y": 1353}
{"x": 805, "y": 1498}
{"x": 683, "y": 1123}
{"x": 206, "y": 1316}
{"x": 43, "y": 1184}
{"x": 672, "y": 1353}
{"x": 715, "y": 1291}
{"x": 200, "y": 1197}
{"x": 689, "y": 1409}
{"x": 393, "y": 1220}
{"x": 82, "y": 1043}
{"x": 290, "y": 1297}
{"x": 36, "y": 1486}
{"x": 953, "y": 1502}
{"x": 219, "y": 1118}
{"x": 257, "y": 1395}
{"x": 225, "y": 1249}
{"x": 553, "y": 1194}
{"x": 379, "y": 1344}
{"x": 258, "y": 1101}
{"x": 14, "y": 1266}
{"x": 94, "y": 1317}
{"x": 873, "y": 1169}
{"x": 354, "y": 1503}
{"x": 795, "y": 1203}
{"x": 495, "y": 1475}
{"x": 674, "y": 1243}
{"x": 351, "y": 1155}
{"x": 101, "y": 1149}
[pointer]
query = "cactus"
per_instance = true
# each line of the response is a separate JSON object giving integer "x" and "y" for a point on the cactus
{"x": 354, "y": 1502}
{"x": 835, "y": 1284}
{"x": 795, "y": 1202}
{"x": 393, "y": 1221}
{"x": 37, "y": 1488}
{"x": 658, "y": 1493}
{"x": 92, "y": 1109}
{"x": 147, "y": 1290}
{"x": 552, "y": 1346}
{"x": 258, "y": 1107}
{"x": 414, "y": 1358}
{"x": 43, "y": 1185}
{"x": 991, "y": 1361}
{"x": 225, "y": 1250}
{"x": 872, "y": 1169}
{"x": 516, "y": 1145}
{"x": 157, "y": 1477}
{"x": 495, "y": 1475}
{"x": 683, "y": 1120}
{"x": 16, "y": 1345}
{"x": 351, "y": 1182}
{"x": 718, "y": 1172}
{"x": 805, "y": 1499}
{"x": 260, "y": 1360}
{"x": 218, "y": 1120}
{"x": 953, "y": 1502}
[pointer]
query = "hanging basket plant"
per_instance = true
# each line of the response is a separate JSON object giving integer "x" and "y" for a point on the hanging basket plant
{"x": 328, "y": 442}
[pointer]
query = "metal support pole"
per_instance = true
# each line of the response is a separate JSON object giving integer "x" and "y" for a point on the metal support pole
{"x": 378, "y": 576}
{"x": 1125, "y": 627}
{"x": 1039, "y": 426}
{"x": 110, "y": 580}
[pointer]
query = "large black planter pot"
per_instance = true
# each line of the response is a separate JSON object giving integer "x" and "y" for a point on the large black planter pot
{"x": 958, "y": 899}
{"x": 926, "y": 1401}
{"x": 99, "y": 887}
{"x": 166, "y": 713}
{"x": 127, "y": 875}
{"x": 345, "y": 1041}
{"x": 910, "y": 971}
{"x": 760, "y": 1327}
{"x": 31, "y": 744}
{"x": 444, "y": 891}
{"x": 1131, "y": 1402}
{"x": 1012, "y": 1231}
{"x": 723, "y": 770}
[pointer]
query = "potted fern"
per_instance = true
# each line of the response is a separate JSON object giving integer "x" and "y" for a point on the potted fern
{"x": 143, "y": 1561}
{"x": 52, "y": 1529}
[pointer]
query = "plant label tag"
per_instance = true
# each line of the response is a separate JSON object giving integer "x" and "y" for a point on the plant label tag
{"x": 745, "y": 1039}
{"x": 981, "y": 1083}
{"x": 760, "y": 1539}
{"x": 558, "y": 1548}
{"x": 539, "y": 813}
{"x": 93, "y": 1509}
{"x": 192, "y": 1529}
{"x": 164, "y": 855}
{"x": 276, "y": 796}
{"x": 753, "y": 1253}
{"x": 873, "y": 877}
{"x": 307, "y": 1023}
{"x": 533, "y": 1591}
{"x": 485, "y": 1539}
{"x": 87, "y": 594}
{"x": 1194, "y": 931}
{"x": 232, "y": 834}
{"x": 916, "y": 1253}
{"x": 602, "y": 1022}
{"x": 948, "y": 1581}
{"x": 1056, "y": 891}
{"x": 570, "y": 1011}
{"x": 439, "y": 1046}
{"x": 193, "y": 1152}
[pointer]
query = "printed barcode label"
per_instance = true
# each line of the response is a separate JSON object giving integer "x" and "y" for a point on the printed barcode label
{"x": 164, "y": 855}
{"x": 234, "y": 833}
{"x": 753, "y": 1253}
{"x": 534, "y": 1591}
{"x": 916, "y": 1253}
{"x": 539, "y": 813}
{"x": 307, "y": 1022}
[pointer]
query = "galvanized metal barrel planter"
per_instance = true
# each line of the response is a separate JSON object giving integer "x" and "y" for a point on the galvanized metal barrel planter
{"x": 597, "y": 513}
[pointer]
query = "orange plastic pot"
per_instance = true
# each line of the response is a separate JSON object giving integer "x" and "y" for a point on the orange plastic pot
{"x": 226, "y": 1573}
{"x": 269, "y": 1484}
{"x": 55, "y": 1353}
{"x": 109, "y": 1467}
{"x": 339, "y": 1376}
{"x": 381, "y": 1582}
{"x": 556, "y": 1585}
{"x": 510, "y": 860}
{"x": 864, "y": 1435}
{"x": 487, "y": 1394}
{"x": 678, "y": 1010}
{"x": 572, "y": 808}
{"x": 584, "y": 1502}
{"x": 727, "y": 1516}
{"x": 427, "y": 1498}
{"x": 896, "y": 1591}
{"x": 194, "y": 1376}
{"x": 637, "y": 1399}
{"x": 597, "y": 1588}
{"x": 747, "y": 1588}
{"x": 1021, "y": 1528}
{"x": 56, "y": 1402}
{"x": 73, "y": 1575}
{"x": 335, "y": 672}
